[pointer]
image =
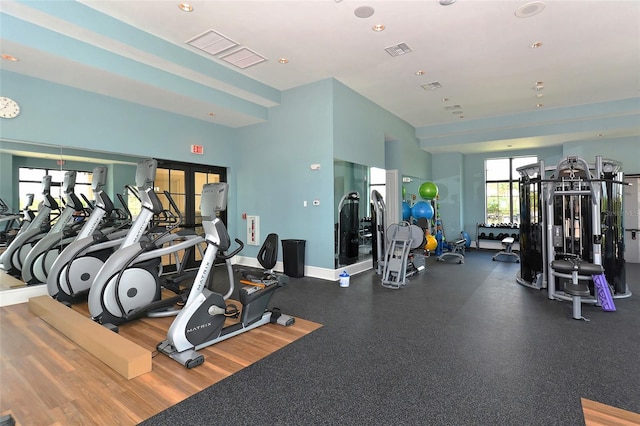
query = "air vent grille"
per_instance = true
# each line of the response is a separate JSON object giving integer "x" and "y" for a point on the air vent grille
{"x": 222, "y": 47}
{"x": 243, "y": 58}
{"x": 432, "y": 86}
{"x": 212, "y": 42}
{"x": 398, "y": 49}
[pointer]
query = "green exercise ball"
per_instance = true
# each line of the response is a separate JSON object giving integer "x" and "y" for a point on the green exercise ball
{"x": 428, "y": 190}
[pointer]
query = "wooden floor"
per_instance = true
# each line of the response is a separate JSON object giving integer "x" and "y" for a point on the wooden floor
{"x": 597, "y": 414}
{"x": 7, "y": 282}
{"x": 46, "y": 379}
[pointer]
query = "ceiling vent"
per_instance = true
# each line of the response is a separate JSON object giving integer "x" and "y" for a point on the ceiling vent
{"x": 243, "y": 58}
{"x": 432, "y": 86}
{"x": 451, "y": 107}
{"x": 212, "y": 42}
{"x": 217, "y": 44}
{"x": 398, "y": 49}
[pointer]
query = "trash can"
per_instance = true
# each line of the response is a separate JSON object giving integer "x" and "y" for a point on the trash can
{"x": 293, "y": 257}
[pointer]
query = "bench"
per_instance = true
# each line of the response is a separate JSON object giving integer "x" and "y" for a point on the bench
{"x": 456, "y": 250}
{"x": 507, "y": 244}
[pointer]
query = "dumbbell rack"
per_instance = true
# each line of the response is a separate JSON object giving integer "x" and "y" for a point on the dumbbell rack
{"x": 490, "y": 237}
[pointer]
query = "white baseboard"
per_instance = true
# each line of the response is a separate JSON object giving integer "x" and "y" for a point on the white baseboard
{"x": 310, "y": 271}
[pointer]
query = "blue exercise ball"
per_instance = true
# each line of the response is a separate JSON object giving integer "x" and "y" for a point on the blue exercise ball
{"x": 406, "y": 211}
{"x": 422, "y": 210}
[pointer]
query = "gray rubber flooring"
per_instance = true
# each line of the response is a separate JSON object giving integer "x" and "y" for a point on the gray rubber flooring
{"x": 459, "y": 345}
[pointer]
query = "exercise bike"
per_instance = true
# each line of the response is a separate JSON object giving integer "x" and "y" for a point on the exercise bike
{"x": 200, "y": 323}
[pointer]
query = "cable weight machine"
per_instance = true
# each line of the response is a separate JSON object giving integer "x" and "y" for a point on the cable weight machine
{"x": 572, "y": 210}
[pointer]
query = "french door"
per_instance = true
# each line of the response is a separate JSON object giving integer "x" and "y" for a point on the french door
{"x": 184, "y": 182}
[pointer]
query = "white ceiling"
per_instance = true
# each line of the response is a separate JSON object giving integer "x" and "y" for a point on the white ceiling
{"x": 478, "y": 50}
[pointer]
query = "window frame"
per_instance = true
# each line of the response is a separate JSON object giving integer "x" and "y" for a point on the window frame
{"x": 512, "y": 190}
{"x": 56, "y": 185}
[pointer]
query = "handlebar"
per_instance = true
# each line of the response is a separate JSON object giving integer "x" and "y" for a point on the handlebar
{"x": 233, "y": 253}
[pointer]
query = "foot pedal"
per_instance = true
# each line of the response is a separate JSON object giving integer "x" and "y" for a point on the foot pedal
{"x": 286, "y": 320}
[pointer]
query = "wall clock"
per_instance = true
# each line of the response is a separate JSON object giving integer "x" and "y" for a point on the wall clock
{"x": 8, "y": 108}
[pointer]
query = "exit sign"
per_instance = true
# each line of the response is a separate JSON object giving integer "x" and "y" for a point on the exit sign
{"x": 197, "y": 149}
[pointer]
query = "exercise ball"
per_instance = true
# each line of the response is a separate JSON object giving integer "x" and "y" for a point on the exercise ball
{"x": 428, "y": 190}
{"x": 422, "y": 210}
{"x": 432, "y": 243}
{"x": 467, "y": 239}
{"x": 406, "y": 211}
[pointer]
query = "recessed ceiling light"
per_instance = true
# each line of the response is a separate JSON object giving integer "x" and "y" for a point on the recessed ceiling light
{"x": 509, "y": 146}
{"x": 462, "y": 116}
{"x": 529, "y": 9}
{"x": 535, "y": 45}
{"x": 9, "y": 57}
{"x": 599, "y": 135}
{"x": 378, "y": 27}
{"x": 364, "y": 12}
{"x": 212, "y": 114}
{"x": 445, "y": 99}
{"x": 420, "y": 72}
{"x": 539, "y": 105}
{"x": 283, "y": 60}
{"x": 185, "y": 7}
{"x": 539, "y": 95}
{"x": 446, "y": 2}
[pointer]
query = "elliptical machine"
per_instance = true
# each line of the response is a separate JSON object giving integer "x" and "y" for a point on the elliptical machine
{"x": 200, "y": 323}
{"x": 16, "y": 252}
{"x": 38, "y": 262}
{"x": 75, "y": 269}
{"x": 127, "y": 287}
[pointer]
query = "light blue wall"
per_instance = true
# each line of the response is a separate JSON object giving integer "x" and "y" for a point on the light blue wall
{"x": 269, "y": 164}
{"x": 274, "y": 177}
{"x": 450, "y": 177}
{"x": 361, "y": 129}
{"x": 59, "y": 115}
{"x": 6, "y": 182}
{"x": 71, "y": 118}
{"x": 624, "y": 150}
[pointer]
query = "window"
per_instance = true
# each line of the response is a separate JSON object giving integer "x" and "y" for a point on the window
{"x": 30, "y": 182}
{"x": 502, "y": 189}
{"x": 377, "y": 181}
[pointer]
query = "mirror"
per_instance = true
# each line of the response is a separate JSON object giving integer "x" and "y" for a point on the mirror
{"x": 15, "y": 155}
{"x": 352, "y": 212}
